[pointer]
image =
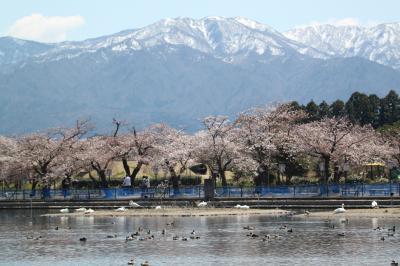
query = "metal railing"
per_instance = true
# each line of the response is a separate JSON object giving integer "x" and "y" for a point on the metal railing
{"x": 287, "y": 191}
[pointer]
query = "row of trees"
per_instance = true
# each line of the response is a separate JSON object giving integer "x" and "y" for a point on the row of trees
{"x": 252, "y": 146}
{"x": 359, "y": 108}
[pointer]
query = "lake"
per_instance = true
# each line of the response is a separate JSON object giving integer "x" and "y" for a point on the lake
{"x": 223, "y": 240}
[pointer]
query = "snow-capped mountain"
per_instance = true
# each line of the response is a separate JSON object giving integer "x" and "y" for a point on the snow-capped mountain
{"x": 180, "y": 70}
{"x": 14, "y": 50}
{"x": 379, "y": 43}
{"x": 225, "y": 38}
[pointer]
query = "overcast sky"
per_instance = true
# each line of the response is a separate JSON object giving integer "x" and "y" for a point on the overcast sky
{"x": 59, "y": 20}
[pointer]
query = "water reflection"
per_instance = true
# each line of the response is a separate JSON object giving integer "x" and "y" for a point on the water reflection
{"x": 223, "y": 241}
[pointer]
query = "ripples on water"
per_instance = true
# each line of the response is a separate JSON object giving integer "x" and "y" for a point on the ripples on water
{"x": 223, "y": 241}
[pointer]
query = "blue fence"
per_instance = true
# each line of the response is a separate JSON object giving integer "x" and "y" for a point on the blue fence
{"x": 292, "y": 191}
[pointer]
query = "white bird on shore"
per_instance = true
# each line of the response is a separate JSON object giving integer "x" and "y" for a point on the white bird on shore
{"x": 374, "y": 205}
{"x": 238, "y": 206}
{"x": 89, "y": 211}
{"x": 81, "y": 210}
{"x": 66, "y": 210}
{"x": 202, "y": 204}
{"x": 339, "y": 210}
{"x": 134, "y": 204}
{"x": 158, "y": 208}
{"x": 121, "y": 209}
{"x": 244, "y": 207}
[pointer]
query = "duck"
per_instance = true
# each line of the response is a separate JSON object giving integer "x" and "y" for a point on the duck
{"x": 202, "y": 204}
{"x": 121, "y": 209}
{"x": 83, "y": 239}
{"x": 134, "y": 204}
{"x": 81, "y": 210}
{"x": 146, "y": 263}
{"x": 164, "y": 231}
{"x": 249, "y": 227}
{"x": 89, "y": 211}
{"x": 56, "y": 228}
{"x": 341, "y": 234}
{"x": 394, "y": 263}
{"x": 132, "y": 261}
{"x": 392, "y": 229}
{"x": 290, "y": 230}
{"x": 175, "y": 238}
{"x": 374, "y": 205}
{"x": 66, "y": 210}
{"x": 339, "y": 210}
{"x": 129, "y": 238}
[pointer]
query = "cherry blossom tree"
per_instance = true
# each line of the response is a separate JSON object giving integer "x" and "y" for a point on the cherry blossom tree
{"x": 391, "y": 134}
{"x": 97, "y": 153}
{"x": 266, "y": 133}
{"x": 216, "y": 145}
{"x": 137, "y": 146}
{"x": 337, "y": 140}
{"x": 42, "y": 153}
{"x": 175, "y": 151}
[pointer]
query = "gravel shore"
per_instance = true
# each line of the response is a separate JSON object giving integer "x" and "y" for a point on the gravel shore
{"x": 183, "y": 212}
{"x": 356, "y": 213}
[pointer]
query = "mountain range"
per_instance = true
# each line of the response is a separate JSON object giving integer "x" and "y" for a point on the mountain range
{"x": 179, "y": 70}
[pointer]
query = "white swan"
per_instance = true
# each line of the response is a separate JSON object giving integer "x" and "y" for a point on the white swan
{"x": 238, "y": 206}
{"x": 89, "y": 211}
{"x": 374, "y": 205}
{"x": 134, "y": 204}
{"x": 81, "y": 210}
{"x": 66, "y": 210}
{"x": 202, "y": 204}
{"x": 158, "y": 208}
{"x": 121, "y": 209}
{"x": 339, "y": 210}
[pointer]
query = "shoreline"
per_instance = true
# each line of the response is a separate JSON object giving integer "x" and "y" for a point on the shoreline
{"x": 177, "y": 212}
{"x": 355, "y": 213}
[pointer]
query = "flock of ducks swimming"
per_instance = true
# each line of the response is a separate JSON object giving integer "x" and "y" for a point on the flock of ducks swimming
{"x": 143, "y": 235}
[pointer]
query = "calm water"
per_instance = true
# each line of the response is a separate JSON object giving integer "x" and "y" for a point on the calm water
{"x": 223, "y": 241}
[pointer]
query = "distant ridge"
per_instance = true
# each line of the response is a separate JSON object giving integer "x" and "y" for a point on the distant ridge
{"x": 180, "y": 70}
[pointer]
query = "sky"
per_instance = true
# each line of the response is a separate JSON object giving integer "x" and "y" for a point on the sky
{"x": 54, "y": 21}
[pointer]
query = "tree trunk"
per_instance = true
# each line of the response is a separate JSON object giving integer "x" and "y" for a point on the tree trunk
{"x": 326, "y": 174}
{"x": 135, "y": 172}
{"x": 126, "y": 167}
{"x": 33, "y": 189}
{"x": 261, "y": 176}
{"x": 175, "y": 180}
{"x": 223, "y": 178}
{"x": 103, "y": 179}
{"x": 336, "y": 173}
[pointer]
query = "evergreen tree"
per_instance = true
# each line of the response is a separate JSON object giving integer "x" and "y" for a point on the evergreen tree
{"x": 337, "y": 109}
{"x": 312, "y": 110}
{"x": 323, "y": 110}
{"x": 357, "y": 108}
{"x": 390, "y": 108}
{"x": 373, "y": 111}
